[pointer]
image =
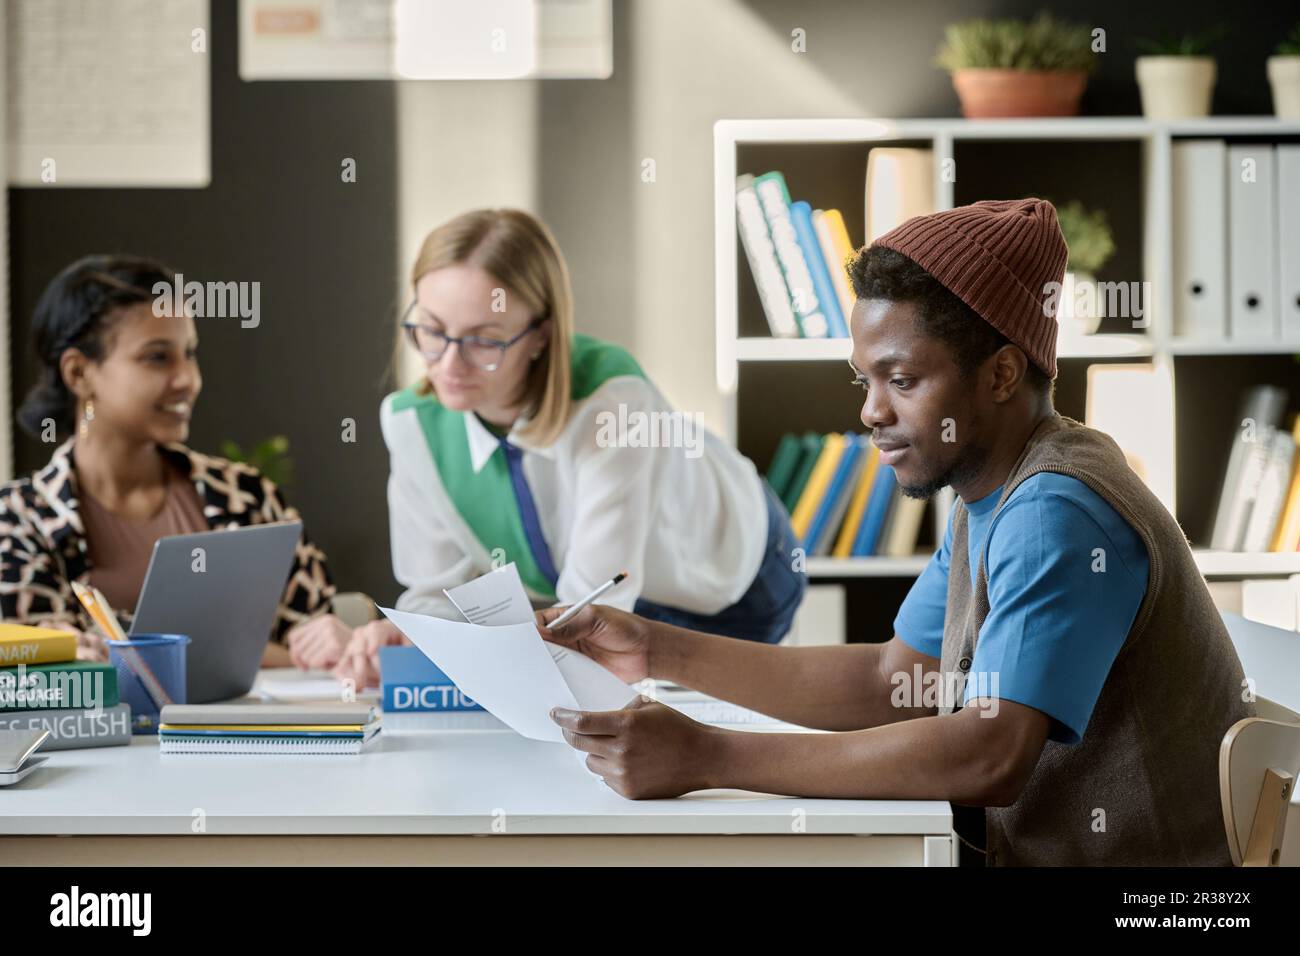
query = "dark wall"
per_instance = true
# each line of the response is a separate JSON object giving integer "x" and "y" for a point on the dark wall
{"x": 324, "y": 252}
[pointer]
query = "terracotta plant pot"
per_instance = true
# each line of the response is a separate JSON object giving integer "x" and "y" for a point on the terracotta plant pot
{"x": 1284, "y": 78}
{"x": 987, "y": 93}
{"x": 1175, "y": 87}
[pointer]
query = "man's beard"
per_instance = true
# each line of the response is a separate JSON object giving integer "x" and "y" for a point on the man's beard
{"x": 966, "y": 467}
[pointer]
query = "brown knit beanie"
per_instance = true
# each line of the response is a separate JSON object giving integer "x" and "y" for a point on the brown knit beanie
{"x": 998, "y": 257}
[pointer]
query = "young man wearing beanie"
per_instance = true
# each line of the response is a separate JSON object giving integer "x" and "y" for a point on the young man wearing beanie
{"x": 1084, "y": 677}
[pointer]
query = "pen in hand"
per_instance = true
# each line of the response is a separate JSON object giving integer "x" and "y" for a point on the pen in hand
{"x": 568, "y": 615}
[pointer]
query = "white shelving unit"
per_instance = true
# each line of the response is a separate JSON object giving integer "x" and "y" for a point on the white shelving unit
{"x": 1153, "y": 342}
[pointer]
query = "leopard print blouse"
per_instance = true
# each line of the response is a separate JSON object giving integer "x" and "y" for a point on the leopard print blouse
{"x": 43, "y": 540}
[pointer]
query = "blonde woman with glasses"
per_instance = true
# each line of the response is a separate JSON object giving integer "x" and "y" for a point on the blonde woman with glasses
{"x": 525, "y": 442}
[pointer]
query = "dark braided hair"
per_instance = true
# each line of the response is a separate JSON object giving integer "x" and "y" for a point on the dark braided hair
{"x": 76, "y": 310}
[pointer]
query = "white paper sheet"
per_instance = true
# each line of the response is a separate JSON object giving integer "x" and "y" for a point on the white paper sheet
{"x": 497, "y": 597}
{"x": 512, "y": 672}
{"x": 504, "y": 664}
{"x": 505, "y": 669}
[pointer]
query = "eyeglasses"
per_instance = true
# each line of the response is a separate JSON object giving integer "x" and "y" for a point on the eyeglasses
{"x": 430, "y": 342}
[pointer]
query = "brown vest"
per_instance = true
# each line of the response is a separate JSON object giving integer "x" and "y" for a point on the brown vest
{"x": 1142, "y": 786}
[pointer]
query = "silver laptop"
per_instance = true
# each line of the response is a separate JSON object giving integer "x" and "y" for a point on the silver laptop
{"x": 223, "y": 598}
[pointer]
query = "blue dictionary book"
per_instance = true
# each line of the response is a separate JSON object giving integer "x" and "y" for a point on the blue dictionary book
{"x": 823, "y": 286}
{"x": 873, "y": 519}
{"x": 412, "y": 683}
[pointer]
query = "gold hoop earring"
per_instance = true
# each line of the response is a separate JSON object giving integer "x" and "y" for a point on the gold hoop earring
{"x": 87, "y": 416}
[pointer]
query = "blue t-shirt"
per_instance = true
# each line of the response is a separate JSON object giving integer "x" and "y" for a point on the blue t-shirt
{"x": 1056, "y": 620}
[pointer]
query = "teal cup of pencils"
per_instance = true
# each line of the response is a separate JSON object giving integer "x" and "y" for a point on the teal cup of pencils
{"x": 150, "y": 675}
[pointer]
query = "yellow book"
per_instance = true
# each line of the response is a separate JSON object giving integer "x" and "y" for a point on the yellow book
{"x": 263, "y": 728}
{"x": 1288, "y": 527}
{"x": 857, "y": 506}
{"x": 834, "y": 261}
{"x": 818, "y": 481}
{"x": 23, "y": 644}
{"x": 842, "y": 244}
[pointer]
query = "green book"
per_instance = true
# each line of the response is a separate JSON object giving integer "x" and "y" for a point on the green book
{"x": 69, "y": 685}
{"x": 784, "y": 463}
{"x": 811, "y": 447}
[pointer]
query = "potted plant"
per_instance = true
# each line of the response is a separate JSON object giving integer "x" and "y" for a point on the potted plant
{"x": 1017, "y": 68}
{"x": 1088, "y": 237}
{"x": 270, "y": 457}
{"x": 1176, "y": 76}
{"x": 1284, "y": 76}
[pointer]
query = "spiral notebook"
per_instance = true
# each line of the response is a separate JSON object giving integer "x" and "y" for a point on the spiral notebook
{"x": 286, "y": 744}
{"x": 267, "y": 728}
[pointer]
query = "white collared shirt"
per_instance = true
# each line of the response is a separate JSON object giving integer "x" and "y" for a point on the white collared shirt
{"x": 688, "y": 521}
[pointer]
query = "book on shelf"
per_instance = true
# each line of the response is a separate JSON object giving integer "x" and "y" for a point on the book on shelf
{"x": 818, "y": 481}
{"x": 1259, "y": 498}
{"x": 899, "y": 185}
{"x": 798, "y": 256}
{"x": 810, "y": 446}
{"x": 846, "y": 503}
{"x": 763, "y": 263}
{"x": 1286, "y": 536}
{"x": 848, "y": 532}
{"x": 873, "y": 521}
{"x": 830, "y": 512}
{"x": 837, "y": 250}
{"x": 784, "y": 462}
{"x": 801, "y": 214}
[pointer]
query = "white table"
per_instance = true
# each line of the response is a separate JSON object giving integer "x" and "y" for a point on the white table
{"x": 455, "y": 797}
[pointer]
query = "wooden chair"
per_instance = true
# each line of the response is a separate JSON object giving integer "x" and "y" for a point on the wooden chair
{"x": 1259, "y": 761}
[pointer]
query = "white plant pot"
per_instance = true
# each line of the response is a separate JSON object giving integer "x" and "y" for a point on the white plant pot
{"x": 1079, "y": 311}
{"x": 1175, "y": 87}
{"x": 1284, "y": 78}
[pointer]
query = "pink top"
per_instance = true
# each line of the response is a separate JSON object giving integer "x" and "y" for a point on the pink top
{"x": 120, "y": 548}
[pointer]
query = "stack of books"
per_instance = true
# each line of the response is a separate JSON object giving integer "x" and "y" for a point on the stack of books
{"x": 250, "y": 727}
{"x": 798, "y": 256}
{"x": 43, "y": 687}
{"x": 842, "y": 501}
{"x": 1259, "y": 500}
{"x": 419, "y": 697}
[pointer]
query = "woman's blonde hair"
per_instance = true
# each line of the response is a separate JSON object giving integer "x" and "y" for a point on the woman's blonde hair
{"x": 516, "y": 249}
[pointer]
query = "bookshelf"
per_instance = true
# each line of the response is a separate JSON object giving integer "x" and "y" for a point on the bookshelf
{"x": 1120, "y": 164}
